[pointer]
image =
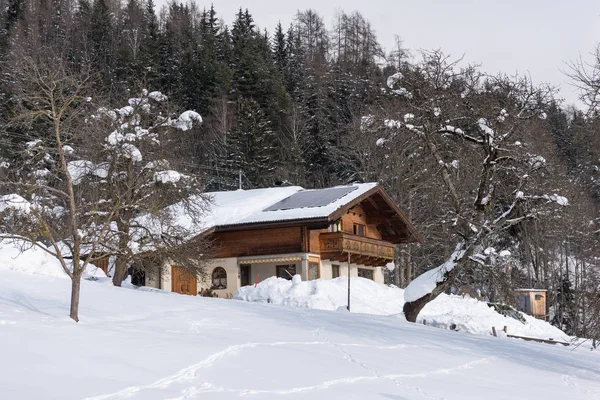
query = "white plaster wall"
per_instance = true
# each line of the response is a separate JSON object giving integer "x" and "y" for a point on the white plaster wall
{"x": 326, "y": 271}
{"x": 230, "y": 266}
{"x": 378, "y": 275}
{"x": 303, "y": 271}
{"x": 353, "y": 269}
{"x": 268, "y": 270}
{"x": 264, "y": 271}
{"x": 152, "y": 280}
{"x": 165, "y": 277}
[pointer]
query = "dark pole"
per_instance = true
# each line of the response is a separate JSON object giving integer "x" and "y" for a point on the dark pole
{"x": 348, "y": 281}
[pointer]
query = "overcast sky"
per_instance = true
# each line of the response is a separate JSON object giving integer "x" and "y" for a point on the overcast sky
{"x": 525, "y": 36}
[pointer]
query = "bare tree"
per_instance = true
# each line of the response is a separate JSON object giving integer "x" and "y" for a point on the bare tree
{"x": 93, "y": 181}
{"x": 474, "y": 128}
{"x": 585, "y": 76}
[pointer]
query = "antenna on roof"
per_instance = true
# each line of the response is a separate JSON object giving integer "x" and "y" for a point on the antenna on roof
{"x": 240, "y": 178}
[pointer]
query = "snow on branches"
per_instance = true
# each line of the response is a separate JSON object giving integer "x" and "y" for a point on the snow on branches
{"x": 469, "y": 123}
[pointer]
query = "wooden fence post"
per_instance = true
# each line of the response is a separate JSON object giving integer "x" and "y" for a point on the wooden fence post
{"x": 494, "y": 331}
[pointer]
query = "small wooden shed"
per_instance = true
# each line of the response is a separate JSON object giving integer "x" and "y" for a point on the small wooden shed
{"x": 532, "y": 302}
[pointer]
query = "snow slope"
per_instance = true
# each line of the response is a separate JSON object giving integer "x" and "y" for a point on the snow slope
{"x": 138, "y": 344}
{"x": 21, "y": 256}
{"x": 368, "y": 297}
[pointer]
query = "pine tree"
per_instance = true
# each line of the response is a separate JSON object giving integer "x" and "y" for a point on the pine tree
{"x": 150, "y": 46}
{"x": 14, "y": 12}
{"x": 251, "y": 144}
{"x": 565, "y": 307}
{"x": 101, "y": 30}
{"x": 208, "y": 61}
{"x": 280, "y": 49}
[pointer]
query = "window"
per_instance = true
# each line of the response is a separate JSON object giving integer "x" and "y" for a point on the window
{"x": 335, "y": 271}
{"x": 286, "y": 271}
{"x": 335, "y": 227}
{"x": 245, "y": 274}
{"x": 313, "y": 271}
{"x": 359, "y": 230}
{"x": 219, "y": 278}
{"x": 365, "y": 273}
{"x": 538, "y": 297}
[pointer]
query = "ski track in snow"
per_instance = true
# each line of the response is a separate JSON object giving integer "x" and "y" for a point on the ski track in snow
{"x": 189, "y": 373}
{"x": 207, "y": 387}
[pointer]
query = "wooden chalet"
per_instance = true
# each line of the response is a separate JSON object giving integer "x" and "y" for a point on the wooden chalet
{"x": 283, "y": 231}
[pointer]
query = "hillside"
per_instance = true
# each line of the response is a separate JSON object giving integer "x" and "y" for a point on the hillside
{"x": 141, "y": 344}
{"x": 447, "y": 312}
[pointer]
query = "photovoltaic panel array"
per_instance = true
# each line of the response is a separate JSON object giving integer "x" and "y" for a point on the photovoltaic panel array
{"x": 311, "y": 198}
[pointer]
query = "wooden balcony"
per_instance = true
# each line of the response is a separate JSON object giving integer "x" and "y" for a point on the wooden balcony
{"x": 365, "y": 251}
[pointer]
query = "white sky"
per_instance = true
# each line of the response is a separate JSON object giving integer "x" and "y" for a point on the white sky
{"x": 525, "y": 36}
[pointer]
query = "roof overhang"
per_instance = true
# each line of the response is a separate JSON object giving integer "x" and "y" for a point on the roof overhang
{"x": 315, "y": 223}
{"x": 397, "y": 219}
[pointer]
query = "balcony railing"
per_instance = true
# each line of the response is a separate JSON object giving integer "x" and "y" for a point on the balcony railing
{"x": 365, "y": 251}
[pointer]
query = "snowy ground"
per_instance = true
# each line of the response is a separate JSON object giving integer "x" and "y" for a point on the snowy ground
{"x": 368, "y": 297}
{"x": 138, "y": 344}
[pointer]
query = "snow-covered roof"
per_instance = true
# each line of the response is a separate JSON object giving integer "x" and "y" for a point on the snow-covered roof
{"x": 239, "y": 208}
{"x": 308, "y": 204}
{"x": 286, "y": 203}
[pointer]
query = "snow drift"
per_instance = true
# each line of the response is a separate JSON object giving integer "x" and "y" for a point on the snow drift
{"x": 367, "y": 297}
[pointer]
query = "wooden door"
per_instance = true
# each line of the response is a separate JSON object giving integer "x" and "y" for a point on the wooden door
{"x": 245, "y": 275}
{"x": 183, "y": 281}
{"x": 102, "y": 264}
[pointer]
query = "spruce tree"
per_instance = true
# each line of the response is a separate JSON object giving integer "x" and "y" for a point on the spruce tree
{"x": 280, "y": 50}
{"x": 251, "y": 144}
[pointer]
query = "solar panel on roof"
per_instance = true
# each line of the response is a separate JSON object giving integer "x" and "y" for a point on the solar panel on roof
{"x": 311, "y": 198}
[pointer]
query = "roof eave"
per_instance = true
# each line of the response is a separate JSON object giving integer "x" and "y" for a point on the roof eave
{"x": 271, "y": 224}
{"x": 414, "y": 235}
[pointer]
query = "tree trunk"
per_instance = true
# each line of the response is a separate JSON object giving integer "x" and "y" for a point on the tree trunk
{"x": 120, "y": 272}
{"x": 75, "y": 289}
{"x": 400, "y": 270}
{"x": 409, "y": 269}
{"x": 412, "y": 309}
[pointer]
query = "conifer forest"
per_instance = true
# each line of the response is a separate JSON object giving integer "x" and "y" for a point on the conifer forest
{"x": 487, "y": 162}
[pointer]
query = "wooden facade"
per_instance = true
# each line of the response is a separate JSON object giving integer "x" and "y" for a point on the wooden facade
{"x": 365, "y": 251}
{"x": 368, "y": 229}
{"x": 532, "y": 302}
{"x": 363, "y": 231}
{"x": 258, "y": 242}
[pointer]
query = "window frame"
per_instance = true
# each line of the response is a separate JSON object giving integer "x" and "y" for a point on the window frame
{"x": 213, "y": 277}
{"x": 335, "y": 267}
{"x": 358, "y": 228}
{"x": 287, "y": 268}
{"x": 366, "y": 271}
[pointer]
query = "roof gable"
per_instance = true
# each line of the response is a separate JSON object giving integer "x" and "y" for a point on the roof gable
{"x": 244, "y": 209}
